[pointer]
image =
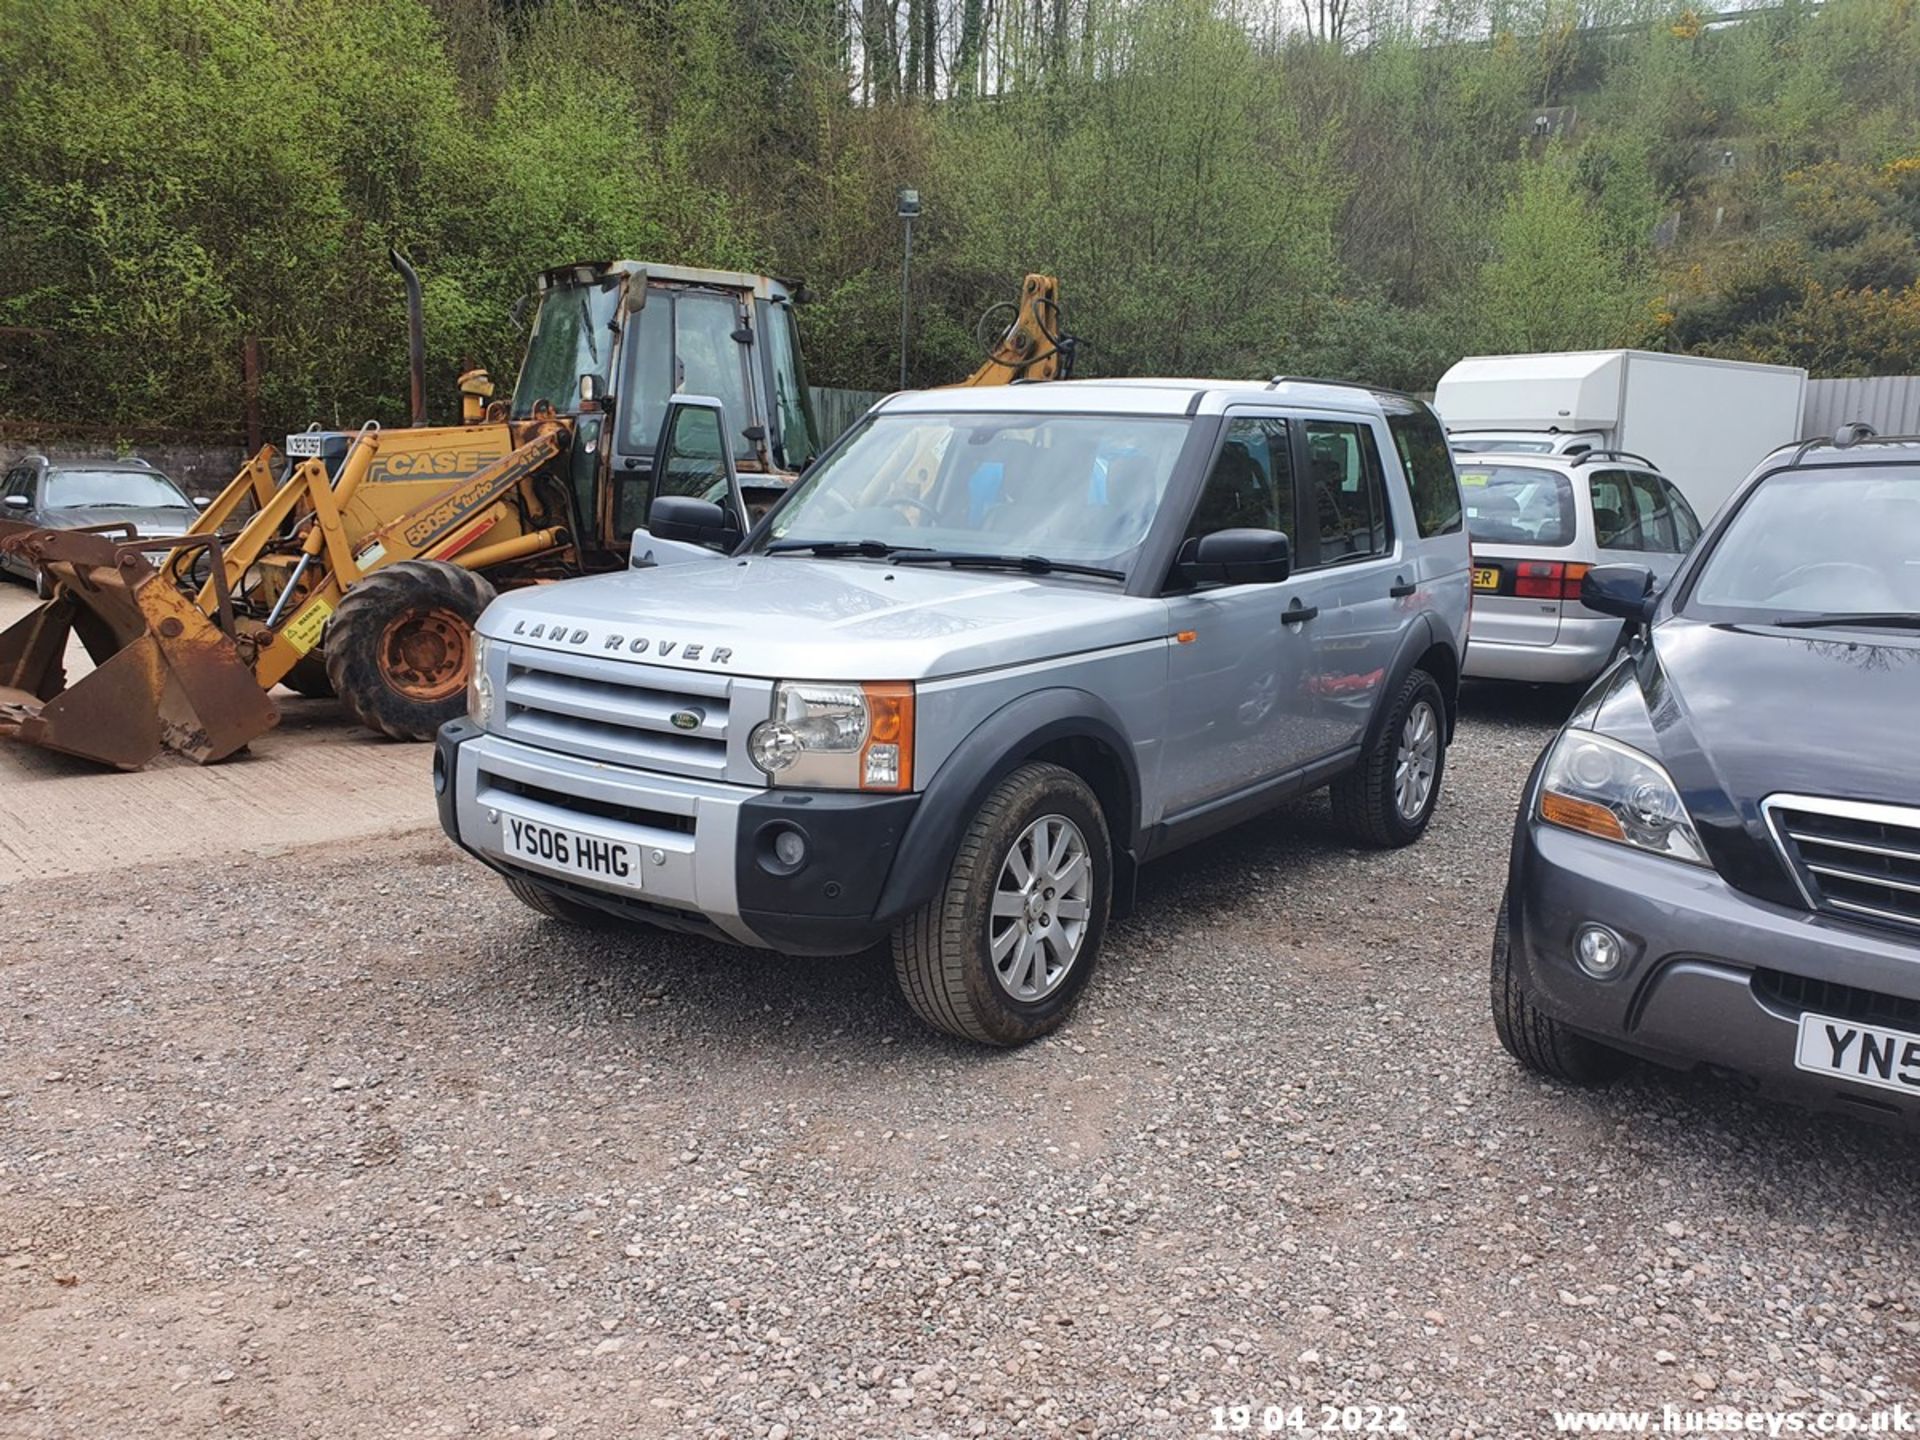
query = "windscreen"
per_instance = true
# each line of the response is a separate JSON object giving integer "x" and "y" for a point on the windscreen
{"x": 572, "y": 336}
{"x": 111, "y": 489}
{"x": 1079, "y": 489}
{"x": 1517, "y": 504}
{"x": 1823, "y": 541}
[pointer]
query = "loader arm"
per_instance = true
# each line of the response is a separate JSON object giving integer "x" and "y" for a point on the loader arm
{"x": 177, "y": 667}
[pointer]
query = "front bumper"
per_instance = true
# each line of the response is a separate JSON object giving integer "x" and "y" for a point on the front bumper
{"x": 1578, "y": 653}
{"x": 1712, "y": 977}
{"x": 706, "y": 861}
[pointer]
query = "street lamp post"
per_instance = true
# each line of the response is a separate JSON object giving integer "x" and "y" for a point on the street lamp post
{"x": 909, "y": 209}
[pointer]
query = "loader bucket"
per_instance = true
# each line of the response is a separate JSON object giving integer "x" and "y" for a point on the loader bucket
{"x": 166, "y": 677}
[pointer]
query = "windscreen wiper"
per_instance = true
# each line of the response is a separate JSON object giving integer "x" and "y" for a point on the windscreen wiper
{"x": 878, "y": 549}
{"x": 1031, "y": 564}
{"x": 1876, "y": 619}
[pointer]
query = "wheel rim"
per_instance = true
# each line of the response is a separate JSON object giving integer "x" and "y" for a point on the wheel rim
{"x": 1417, "y": 762}
{"x": 425, "y": 654}
{"x": 1042, "y": 905}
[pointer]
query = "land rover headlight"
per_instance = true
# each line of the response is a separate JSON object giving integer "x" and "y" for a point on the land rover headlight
{"x": 837, "y": 737}
{"x": 479, "y": 686}
{"x": 1601, "y": 787}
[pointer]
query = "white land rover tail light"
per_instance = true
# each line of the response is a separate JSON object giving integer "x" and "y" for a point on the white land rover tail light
{"x": 837, "y": 737}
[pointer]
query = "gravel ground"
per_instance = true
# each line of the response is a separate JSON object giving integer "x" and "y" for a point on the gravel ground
{"x": 348, "y": 1144}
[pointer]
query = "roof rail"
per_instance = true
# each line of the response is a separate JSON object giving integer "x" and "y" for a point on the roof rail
{"x": 1847, "y": 437}
{"x": 1585, "y": 456}
{"x": 1278, "y": 380}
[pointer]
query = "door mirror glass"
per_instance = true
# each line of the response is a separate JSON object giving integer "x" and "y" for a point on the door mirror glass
{"x": 1238, "y": 557}
{"x": 1623, "y": 590}
{"x": 693, "y": 461}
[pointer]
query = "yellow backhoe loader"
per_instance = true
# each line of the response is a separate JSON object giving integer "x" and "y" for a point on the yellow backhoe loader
{"x": 360, "y": 569}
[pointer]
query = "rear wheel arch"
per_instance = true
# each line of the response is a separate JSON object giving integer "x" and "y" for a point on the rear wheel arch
{"x": 1443, "y": 663}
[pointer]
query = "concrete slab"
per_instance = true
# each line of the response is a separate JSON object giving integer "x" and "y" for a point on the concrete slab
{"x": 316, "y": 778}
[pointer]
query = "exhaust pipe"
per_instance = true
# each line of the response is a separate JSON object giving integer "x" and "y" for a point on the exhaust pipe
{"x": 416, "y": 335}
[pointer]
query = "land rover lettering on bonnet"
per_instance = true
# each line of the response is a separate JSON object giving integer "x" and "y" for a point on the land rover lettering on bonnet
{"x": 995, "y": 650}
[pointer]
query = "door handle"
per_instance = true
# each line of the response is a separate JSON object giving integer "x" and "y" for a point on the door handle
{"x": 1401, "y": 588}
{"x": 1298, "y": 614}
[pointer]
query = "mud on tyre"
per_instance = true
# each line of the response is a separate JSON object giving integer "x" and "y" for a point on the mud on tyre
{"x": 400, "y": 646}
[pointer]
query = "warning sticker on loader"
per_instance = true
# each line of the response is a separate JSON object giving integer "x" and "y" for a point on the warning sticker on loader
{"x": 303, "y": 631}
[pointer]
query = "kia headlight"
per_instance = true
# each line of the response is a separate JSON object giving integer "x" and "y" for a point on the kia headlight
{"x": 1603, "y": 788}
{"x": 479, "y": 684}
{"x": 837, "y": 737}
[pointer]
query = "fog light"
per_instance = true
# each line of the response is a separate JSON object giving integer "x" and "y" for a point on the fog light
{"x": 790, "y": 849}
{"x": 1599, "y": 951}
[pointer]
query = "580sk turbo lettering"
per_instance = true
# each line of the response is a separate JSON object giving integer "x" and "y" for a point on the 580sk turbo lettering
{"x": 991, "y": 653}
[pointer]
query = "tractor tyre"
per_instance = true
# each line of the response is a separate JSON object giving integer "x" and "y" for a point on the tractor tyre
{"x": 400, "y": 646}
{"x": 308, "y": 677}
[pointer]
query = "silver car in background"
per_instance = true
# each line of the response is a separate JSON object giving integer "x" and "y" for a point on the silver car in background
{"x": 79, "y": 494}
{"x": 1537, "y": 524}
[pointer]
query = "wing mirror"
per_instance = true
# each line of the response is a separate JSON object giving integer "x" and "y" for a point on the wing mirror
{"x": 1623, "y": 590}
{"x": 16, "y": 502}
{"x": 1237, "y": 557}
{"x": 201, "y": 502}
{"x": 592, "y": 391}
{"x": 698, "y": 522}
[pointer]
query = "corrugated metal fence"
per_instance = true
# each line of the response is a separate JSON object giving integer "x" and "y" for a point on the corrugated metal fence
{"x": 837, "y": 409}
{"x": 1889, "y": 403}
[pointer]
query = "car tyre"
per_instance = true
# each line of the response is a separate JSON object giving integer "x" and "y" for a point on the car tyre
{"x": 1002, "y": 952}
{"x": 1540, "y": 1042}
{"x": 42, "y": 586}
{"x": 1387, "y": 799}
{"x": 554, "y": 907}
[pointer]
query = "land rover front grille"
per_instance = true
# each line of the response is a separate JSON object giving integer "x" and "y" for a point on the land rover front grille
{"x": 1853, "y": 860}
{"x": 649, "y": 717}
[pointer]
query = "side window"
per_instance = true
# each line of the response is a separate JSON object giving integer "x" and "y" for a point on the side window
{"x": 16, "y": 481}
{"x": 1428, "y": 461}
{"x": 1347, "y": 493}
{"x": 711, "y": 360}
{"x": 1686, "y": 527}
{"x": 1613, "y": 525}
{"x": 1251, "y": 484}
{"x": 1653, "y": 517}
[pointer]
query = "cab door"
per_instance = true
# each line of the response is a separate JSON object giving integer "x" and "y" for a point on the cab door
{"x": 1238, "y": 667}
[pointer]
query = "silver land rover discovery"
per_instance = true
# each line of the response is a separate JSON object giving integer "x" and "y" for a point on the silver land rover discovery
{"x": 993, "y": 651}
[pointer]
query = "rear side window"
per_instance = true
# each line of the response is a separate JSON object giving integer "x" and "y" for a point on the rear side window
{"x": 1518, "y": 505}
{"x": 1686, "y": 528}
{"x": 1346, "y": 491}
{"x": 1428, "y": 461}
{"x": 1653, "y": 515}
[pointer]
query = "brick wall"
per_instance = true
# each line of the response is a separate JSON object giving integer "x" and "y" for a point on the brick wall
{"x": 198, "y": 466}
